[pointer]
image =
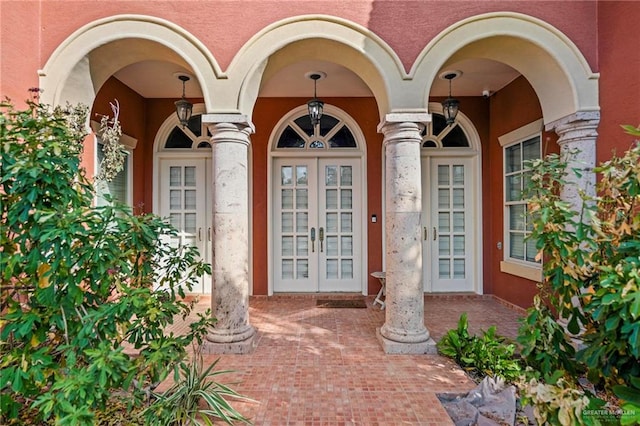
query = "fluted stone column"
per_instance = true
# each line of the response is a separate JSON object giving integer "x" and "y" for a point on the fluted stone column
{"x": 232, "y": 332}
{"x": 577, "y": 139}
{"x": 404, "y": 331}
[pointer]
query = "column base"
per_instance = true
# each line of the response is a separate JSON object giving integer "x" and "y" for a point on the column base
{"x": 240, "y": 344}
{"x": 407, "y": 348}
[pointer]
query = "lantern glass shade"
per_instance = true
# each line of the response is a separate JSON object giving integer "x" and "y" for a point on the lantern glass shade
{"x": 315, "y": 106}
{"x": 184, "y": 109}
{"x": 450, "y": 109}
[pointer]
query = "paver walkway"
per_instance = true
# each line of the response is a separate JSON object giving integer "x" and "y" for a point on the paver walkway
{"x": 321, "y": 366}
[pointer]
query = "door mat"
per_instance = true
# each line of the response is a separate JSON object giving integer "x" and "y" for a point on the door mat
{"x": 341, "y": 303}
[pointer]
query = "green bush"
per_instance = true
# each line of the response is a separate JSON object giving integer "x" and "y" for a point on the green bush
{"x": 78, "y": 281}
{"x": 591, "y": 277}
{"x": 488, "y": 354}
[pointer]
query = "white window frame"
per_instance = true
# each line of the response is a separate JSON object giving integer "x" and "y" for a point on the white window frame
{"x": 518, "y": 267}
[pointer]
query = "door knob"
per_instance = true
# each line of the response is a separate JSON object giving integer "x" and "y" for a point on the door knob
{"x": 313, "y": 240}
{"x": 321, "y": 238}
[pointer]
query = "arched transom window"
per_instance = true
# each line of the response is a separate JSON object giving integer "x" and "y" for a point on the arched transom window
{"x": 193, "y": 136}
{"x": 331, "y": 133}
{"x": 438, "y": 135}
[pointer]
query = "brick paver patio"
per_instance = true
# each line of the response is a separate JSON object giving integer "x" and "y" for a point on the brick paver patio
{"x": 322, "y": 366}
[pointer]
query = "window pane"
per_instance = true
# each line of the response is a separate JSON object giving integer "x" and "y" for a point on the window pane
{"x": 287, "y": 198}
{"x": 458, "y": 222}
{"x": 302, "y": 246}
{"x": 343, "y": 139}
{"x": 455, "y": 138}
{"x": 331, "y": 176}
{"x": 190, "y": 223}
{"x": 516, "y": 245}
{"x": 513, "y": 189}
{"x": 302, "y": 269}
{"x": 531, "y": 149}
{"x": 178, "y": 139}
{"x": 458, "y": 268}
{"x": 290, "y": 139}
{"x": 287, "y": 268}
{"x": 287, "y": 246}
{"x": 175, "y": 199}
{"x": 458, "y": 198}
{"x": 444, "y": 268}
{"x": 304, "y": 123}
{"x": 458, "y": 245}
{"x": 302, "y": 222}
{"x": 443, "y": 198}
{"x": 443, "y": 175}
{"x": 458, "y": 175}
{"x": 332, "y": 199}
{"x": 443, "y": 222}
{"x": 332, "y": 268}
{"x": 346, "y": 176}
{"x": 345, "y": 199}
{"x": 444, "y": 248}
{"x": 175, "y": 219}
{"x": 332, "y": 246}
{"x": 516, "y": 217}
{"x": 512, "y": 158}
{"x": 190, "y": 176}
{"x": 175, "y": 176}
{"x": 332, "y": 222}
{"x": 316, "y": 144}
{"x": 346, "y": 246}
{"x": 346, "y": 224}
{"x": 327, "y": 123}
{"x": 301, "y": 175}
{"x": 302, "y": 199}
{"x": 531, "y": 250}
{"x": 287, "y": 222}
{"x": 347, "y": 269}
{"x": 286, "y": 175}
{"x": 190, "y": 199}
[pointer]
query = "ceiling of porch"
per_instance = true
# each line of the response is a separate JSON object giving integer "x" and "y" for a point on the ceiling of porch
{"x": 157, "y": 79}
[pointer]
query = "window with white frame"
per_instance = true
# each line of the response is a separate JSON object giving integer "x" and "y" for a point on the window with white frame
{"x": 119, "y": 188}
{"x": 519, "y": 147}
{"x": 518, "y": 224}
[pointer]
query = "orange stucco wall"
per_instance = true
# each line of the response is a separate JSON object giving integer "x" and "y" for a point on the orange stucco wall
{"x": 407, "y": 26}
{"x": 619, "y": 54}
{"x": 511, "y": 108}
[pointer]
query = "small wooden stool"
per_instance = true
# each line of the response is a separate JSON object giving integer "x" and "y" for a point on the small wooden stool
{"x": 383, "y": 292}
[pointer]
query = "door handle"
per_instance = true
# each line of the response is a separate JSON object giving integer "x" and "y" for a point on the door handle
{"x": 209, "y": 233}
{"x": 199, "y": 234}
{"x": 313, "y": 240}
{"x": 425, "y": 232}
{"x": 435, "y": 233}
{"x": 321, "y": 238}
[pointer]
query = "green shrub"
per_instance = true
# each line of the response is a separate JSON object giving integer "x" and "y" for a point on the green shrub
{"x": 591, "y": 277}
{"x": 488, "y": 354}
{"x": 77, "y": 281}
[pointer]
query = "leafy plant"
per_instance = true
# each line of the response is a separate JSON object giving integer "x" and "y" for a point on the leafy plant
{"x": 194, "y": 397}
{"x": 591, "y": 276}
{"x": 488, "y": 354}
{"x": 79, "y": 282}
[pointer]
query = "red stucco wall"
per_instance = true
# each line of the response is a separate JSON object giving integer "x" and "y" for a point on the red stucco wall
{"x": 511, "y": 108}
{"x": 619, "y": 53}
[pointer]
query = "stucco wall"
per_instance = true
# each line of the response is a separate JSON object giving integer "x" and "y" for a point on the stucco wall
{"x": 511, "y": 108}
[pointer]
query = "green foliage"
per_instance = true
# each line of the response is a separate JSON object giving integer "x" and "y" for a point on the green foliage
{"x": 591, "y": 275}
{"x": 486, "y": 355}
{"x": 78, "y": 281}
{"x": 194, "y": 397}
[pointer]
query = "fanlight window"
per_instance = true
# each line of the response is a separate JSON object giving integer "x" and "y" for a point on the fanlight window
{"x": 438, "y": 135}
{"x": 329, "y": 134}
{"x": 194, "y": 136}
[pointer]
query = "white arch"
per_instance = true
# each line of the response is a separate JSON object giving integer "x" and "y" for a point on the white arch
{"x": 549, "y": 60}
{"x": 69, "y": 75}
{"x": 319, "y": 37}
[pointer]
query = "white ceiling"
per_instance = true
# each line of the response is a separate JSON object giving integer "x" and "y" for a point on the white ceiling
{"x": 157, "y": 79}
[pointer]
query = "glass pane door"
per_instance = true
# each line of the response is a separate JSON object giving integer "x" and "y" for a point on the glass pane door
{"x": 295, "y": 223}
{"x": 448, "y": 231}
{"x": 185, "y": 202}
{"x": 317, "y": 230}
{"x": 340, "y": 226}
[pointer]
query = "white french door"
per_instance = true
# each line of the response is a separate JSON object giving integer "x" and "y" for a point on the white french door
{"x": 317, "y": 225}
{"x": 448, "y": 237}
{"x": 185, "y": 200}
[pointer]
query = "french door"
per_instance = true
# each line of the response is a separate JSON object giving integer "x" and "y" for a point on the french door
{"x": 185, "y": 200}
{"x": 317, "y": 225}
{"x": 448, "y": 237}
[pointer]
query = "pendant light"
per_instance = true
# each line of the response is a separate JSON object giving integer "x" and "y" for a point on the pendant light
{"x": 184, "y": 108}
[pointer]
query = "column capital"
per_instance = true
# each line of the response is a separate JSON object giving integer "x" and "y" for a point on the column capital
{"x": 580, "y": 126}
{"x": 398, "y": 118}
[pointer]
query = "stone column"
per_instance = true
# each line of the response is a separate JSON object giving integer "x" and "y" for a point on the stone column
{"x": 577, "y": 139}
{"x": 232, "y": 332}
{"x": 404, "y": 331}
